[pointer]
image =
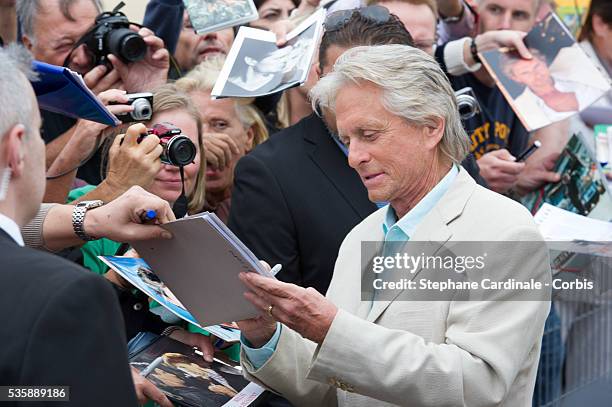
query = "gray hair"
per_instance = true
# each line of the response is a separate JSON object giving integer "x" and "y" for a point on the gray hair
{"x": 28, "y": 9}
{"x": 15, "y": 70}
{"x": 413, "y": 84}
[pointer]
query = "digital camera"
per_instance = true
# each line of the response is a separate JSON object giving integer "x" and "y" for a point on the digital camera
{"x": 179, "y": 150}
{"x": 111, "y": 34}
{"x": 143, "y": 108}
{"x": 466, "y": 103}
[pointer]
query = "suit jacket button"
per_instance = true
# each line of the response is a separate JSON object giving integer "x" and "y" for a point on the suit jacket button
{"x": 137, "y": 306}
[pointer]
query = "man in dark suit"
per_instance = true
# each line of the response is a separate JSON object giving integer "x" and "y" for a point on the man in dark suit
{"x": 295, "y": 197}
{"x": 61, "y": 325}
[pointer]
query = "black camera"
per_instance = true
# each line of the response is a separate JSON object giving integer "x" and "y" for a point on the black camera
{"x": 111, "y": 34}
{"x": 179, "y": 150}
{"x": 143, "y": 108}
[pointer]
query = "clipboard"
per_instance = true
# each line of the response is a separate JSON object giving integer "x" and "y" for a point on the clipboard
{"x": 60, "y": 90}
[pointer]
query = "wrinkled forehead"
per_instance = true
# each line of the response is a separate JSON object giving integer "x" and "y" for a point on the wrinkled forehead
{"x": 75, "y": 10}
{"x": 66, "y": 17}
{"x": 369, "y": 108}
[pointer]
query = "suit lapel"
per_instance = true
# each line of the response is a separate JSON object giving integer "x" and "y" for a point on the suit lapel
{"x": 374, "y": 235}
{"x": 434, "y": 228}
{"x": 332, "y": 162}
{"x": 436, "y": 233}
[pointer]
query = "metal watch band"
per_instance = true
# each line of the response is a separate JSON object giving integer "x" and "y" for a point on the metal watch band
{"x": 78, "y": 218}
{"x": 168, "y": 331}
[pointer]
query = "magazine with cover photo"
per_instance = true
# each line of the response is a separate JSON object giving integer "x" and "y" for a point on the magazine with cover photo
{"x": 255, "y": 66}
{"x": 140, "y": 275}
{"x": 558, "y": 82}
{"x": 214, "y": 15}
{"x": 187, "y": 379}
{"x": 582, "y": 188}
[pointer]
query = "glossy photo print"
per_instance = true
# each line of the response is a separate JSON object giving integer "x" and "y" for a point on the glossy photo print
{"x": 255, "y": 66}
{"x": 558, "y": 82}
{"x": 214, "y": 15}
{"x": 188, "y": 380}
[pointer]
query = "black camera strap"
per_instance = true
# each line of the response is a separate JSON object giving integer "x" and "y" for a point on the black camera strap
{"x": 180, "y": 206}
{"x": 87, "y": 36}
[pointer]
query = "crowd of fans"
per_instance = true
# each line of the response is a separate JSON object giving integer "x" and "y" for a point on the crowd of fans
{"x": 273, "y": 168}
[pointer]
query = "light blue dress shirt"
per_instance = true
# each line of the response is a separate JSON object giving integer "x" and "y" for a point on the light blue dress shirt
{"x": 259, "y": 356}
{"x": 394, "y": 229}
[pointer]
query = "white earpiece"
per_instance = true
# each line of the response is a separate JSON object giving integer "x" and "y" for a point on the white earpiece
{"x": 5, "y": 179}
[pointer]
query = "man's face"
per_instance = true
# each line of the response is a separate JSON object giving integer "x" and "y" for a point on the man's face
{"x": 192, "y": 48}
{"x": 54, "y": 34}
{"x": 311, "y": 79}
{"x": 390, "y": 156}
{"x": 419, "y": 20}
{"x": 331, "y": 55}
{"x": 532, "y": 72}
{"x": 516, "y": 15}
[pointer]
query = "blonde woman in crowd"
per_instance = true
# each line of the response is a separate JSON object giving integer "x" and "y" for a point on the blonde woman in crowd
{"x": 231, "y": 128}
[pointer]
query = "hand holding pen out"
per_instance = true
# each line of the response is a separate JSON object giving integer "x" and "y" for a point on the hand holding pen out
{"x": 128, "y": 217}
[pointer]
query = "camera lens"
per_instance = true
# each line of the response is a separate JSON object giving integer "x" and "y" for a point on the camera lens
{"x": 467, "y": 106}
{"x": 126, "y": 44}
{"x": 142, "y": 109}
{"x": 180, "y": 151}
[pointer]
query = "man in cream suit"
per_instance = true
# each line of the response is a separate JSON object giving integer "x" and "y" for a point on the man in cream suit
{"x": 396, "y": 112}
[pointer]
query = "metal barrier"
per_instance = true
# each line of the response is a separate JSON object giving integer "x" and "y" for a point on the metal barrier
{"x": 576, "y": 358}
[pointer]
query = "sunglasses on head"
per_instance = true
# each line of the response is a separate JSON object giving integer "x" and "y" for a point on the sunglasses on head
{"x": 339, "y": 19}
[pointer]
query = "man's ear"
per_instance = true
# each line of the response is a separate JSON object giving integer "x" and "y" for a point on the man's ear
{"x": 27, "y": 42}
{"x": 433, "y": 134}
{"x": 13, "y": 149}
{"x": 318, "y": 70}
{"x": 600, "y": 28}
{"x": 250, "y": 138}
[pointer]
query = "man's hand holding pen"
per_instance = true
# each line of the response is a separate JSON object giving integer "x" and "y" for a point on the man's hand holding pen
{"x": 127, "y": 218}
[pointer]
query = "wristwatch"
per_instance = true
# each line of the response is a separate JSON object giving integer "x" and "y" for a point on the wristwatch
{"x": 78, "y": 218}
